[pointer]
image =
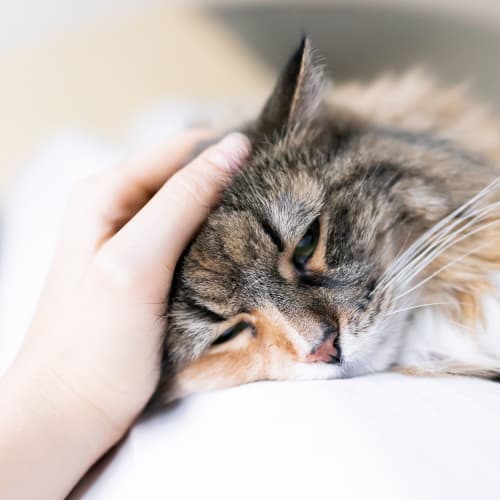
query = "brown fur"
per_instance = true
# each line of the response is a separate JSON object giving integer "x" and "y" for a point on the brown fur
{"x": 248, "y": 362}
{"x": 413, "y": 100}
{"x": 380, "y": 164}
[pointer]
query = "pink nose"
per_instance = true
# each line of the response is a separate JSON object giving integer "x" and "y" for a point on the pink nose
{"x": 327, "y": 352}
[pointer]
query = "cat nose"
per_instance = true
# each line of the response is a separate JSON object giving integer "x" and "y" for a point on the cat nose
{"x": 328, "y": 351}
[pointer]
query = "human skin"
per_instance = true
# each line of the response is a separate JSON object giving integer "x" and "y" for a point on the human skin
{"x": 90, "y": 359}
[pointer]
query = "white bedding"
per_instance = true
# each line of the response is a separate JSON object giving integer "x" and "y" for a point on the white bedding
{"x": 386, "y": 436}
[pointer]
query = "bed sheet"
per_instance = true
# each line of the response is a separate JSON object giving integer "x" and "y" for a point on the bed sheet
{"x": 380, "y": 437}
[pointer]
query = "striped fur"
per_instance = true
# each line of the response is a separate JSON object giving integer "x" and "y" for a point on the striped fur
{"x": 381, "y": 164}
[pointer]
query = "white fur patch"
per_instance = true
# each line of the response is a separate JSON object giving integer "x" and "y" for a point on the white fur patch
{"x": 433, "y": 339}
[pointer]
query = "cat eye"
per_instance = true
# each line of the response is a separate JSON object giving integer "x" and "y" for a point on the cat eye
{"x": 306, "y": 246}
{"x": 231, "y": 333}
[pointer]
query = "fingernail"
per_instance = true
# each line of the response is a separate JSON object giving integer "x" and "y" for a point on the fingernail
{"x": 231, "y": 152}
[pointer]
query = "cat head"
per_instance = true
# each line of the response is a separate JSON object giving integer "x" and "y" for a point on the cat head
{"x": 283, "y": 280}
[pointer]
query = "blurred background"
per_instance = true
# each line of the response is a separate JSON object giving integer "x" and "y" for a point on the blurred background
{"x": 96, "y": 65}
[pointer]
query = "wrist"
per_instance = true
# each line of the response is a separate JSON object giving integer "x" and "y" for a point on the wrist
{"x": 49, "y": 430}
{"x": 36, "y": 386}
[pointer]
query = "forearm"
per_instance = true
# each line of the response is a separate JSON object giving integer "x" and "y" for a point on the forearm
{"x": 49, "y": 437}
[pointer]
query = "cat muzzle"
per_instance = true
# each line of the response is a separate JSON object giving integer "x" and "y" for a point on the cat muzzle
{"x": 328, "y": 351}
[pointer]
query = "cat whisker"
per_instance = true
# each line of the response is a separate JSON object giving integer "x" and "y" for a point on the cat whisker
{"x": 446, "y": 266}
{"x": 470, "y": 219}
{"x": 436, "y": 231}
{"x": 438, "y": 246}
{"x": 445, "y": 236}
{"x": 460, "y": 325}
{"x": 399, "y": 254}
{"x": 419, "y": 306}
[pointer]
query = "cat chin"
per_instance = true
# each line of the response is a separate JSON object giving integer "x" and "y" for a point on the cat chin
{"x": 325, "y": 371}
{"x": 308, "y": 371}
{"x": 378, "y": 361}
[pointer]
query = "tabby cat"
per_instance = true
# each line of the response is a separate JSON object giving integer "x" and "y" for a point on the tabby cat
{"x": 359, "y": 207}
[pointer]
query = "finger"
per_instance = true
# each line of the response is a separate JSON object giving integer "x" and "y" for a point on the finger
{"x": 107, "y": 201}
{"x": 151, "y": 170}
{"x": 154, "y": 239}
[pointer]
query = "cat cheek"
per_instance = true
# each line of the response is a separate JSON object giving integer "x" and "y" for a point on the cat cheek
{"x": 220, "y": 370}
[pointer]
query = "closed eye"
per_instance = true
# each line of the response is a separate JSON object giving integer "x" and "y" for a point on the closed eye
{"x": 205, "y": 311}
{"x": 231, "y": 333}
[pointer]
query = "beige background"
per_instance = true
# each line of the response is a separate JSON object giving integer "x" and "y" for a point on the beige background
{"x": 95, "y": 64}
{"x": 100, "y": 75}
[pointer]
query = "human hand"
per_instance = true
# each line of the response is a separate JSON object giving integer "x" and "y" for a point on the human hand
{"x": 91, "y": 356}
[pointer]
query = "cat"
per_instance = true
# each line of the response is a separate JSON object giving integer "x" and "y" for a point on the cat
{"x": 359, "y": 204}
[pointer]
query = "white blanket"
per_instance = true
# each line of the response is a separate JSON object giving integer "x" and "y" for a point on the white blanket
{"x": 377, "y": 437}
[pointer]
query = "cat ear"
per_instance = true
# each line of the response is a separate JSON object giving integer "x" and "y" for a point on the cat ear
{"x": 297, "y": 94}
